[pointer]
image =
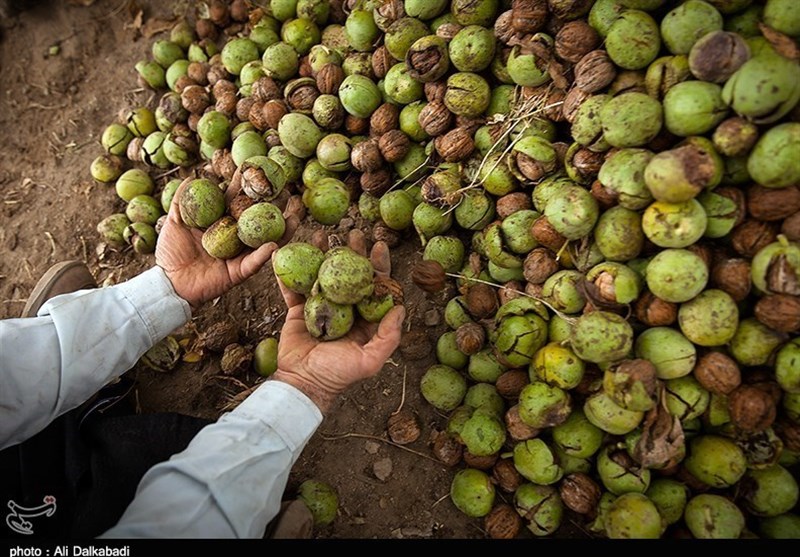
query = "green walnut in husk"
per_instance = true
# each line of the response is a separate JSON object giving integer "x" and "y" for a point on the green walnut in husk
{"x": 143, "y": 208}
{"x": 299, "y": 134}
{"x": 674, "y": 225}
{"x": 670, "y": 497}
{"x": 134, "y": 182}
{"x": 472, "y": 49}
{"x": 321, "y": 499}
{"x": 631, "y": 119}
{"x": 112, "y": 227}
{"x": 141, "y": 236}
{"x": 787, "y": 366}
{"x": 564, "y": 291}
{"x": 772, "y": 162}
{"x": 613, "y": 283}
{"x": 602, "y": 337}
{"x": 518, "y": 337}
{"x": 623, "y": 174}
{"x": 633, "y": 516}
{"x": 540, "y": 507}
{"x": 345, "y": 277}
{"x": 680, "y": 174}
{"x": 770, "y": 491}
{"x": 443, "y": 387}
{"x": 557, "y": 365}
{"x": 397, "y": 209}
{"x": 577, "y": 436}
{"x": 265, "y": 357}
{"x": 685, "y": 24}
{"x": 670, "y": 352}
{"x": 327, "y": 320}
{"x": 685, "y": 397}
{"x": 214, "y": 128}
{"x": 715, "y": 460}
{"x": 359, "y": 95}
{"x": 115, "y": 139}
{"x": 247, "y": 145}
{"x": 163, "y": 356}
{"x": 430, "y": 221}
{"x": 542, "y": 405}
{"x": 467, "y": 94}
{"x": 693, "y": 108}
{"x": 297, "y": 265}
{"x": 710, "y": 319}
{"x": 536, "y": 462}
{"x": 259, "y": 224}
{"x": 619, "y": 473}
{"x": 152, "y": 151}
{"x": 710, "y": 516}
{"x": 573, "y": 212}
{"x": 106, "y": 168}
{"x": 775, "y": 268}
{"x": 633, "y": 40}
{"x": 447, "y": 352}
{"x": 676, "y": 275}
{"x": 201, "y": 204}
{"x": 765, "y": 88}
{"x": 472, "y": 492}
{"x": 483, "y": 433}
{"x": 221, "y": 239}
{"x": 475, "y": 210}
{"x": 483, "y": 366}
{"x": 587, "y": 125}
{"x": 448, "y": 251}
{"x": 151, "y": 73}
{"x": 604, "y": 413}
{"x": 327, "y": 201}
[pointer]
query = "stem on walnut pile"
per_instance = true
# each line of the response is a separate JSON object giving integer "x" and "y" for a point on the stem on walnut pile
{"x": 562, "y": 315}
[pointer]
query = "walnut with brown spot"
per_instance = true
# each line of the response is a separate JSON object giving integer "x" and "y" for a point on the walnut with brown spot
{"x": 403, "y": 427}
{"x": 517, "y": 429}
{"x": 751, "y": 408}
{"x": 394, "y": 145}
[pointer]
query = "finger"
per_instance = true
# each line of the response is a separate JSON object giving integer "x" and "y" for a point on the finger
{"x": 357, "y": 241}
{"x": 381, "y": 261}
{"x": 290, "y": 297}
{"x": 234, "y": 187}
{"x": 319, "y": 239}
{"x": 385, "y": 341}
{"x": 251, "y": 263}
{"x": 174, "y": 206}
{"x": 295, "y": 207}
{"x": 292, "y": 223}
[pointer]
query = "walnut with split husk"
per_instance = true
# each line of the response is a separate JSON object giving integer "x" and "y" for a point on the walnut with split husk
{"x": 662, "y": 442}
{"x": 732, "y": 276}
{"x": 456, "y": 145}
{"x": 594, "y": 71}
{"x": 435, "y": 118}
{"x": 575, "y": 39}
{"x": 580, "y": 493}
{"x": 236, "y": 359}
{"x": 329, "y": 78}
{"x": 752, "y": 235}
{"x": 511, "y": 203}
{"x": 376, "y": 182}
{"x": 301, "y": 93}
{"x": 403, "y": 427}
{"x": 503, "y": 522}
{"x": 481, "y": 462}
{"x": 751, "y": 408}
{"x": 238, "y": 205}
{"x": 394, "y": 145}
{"x": 385, "y": 119}
{"x": 779, "y": 311}
{"x": 771, "y": 204}
{"x": 717, "y": 373}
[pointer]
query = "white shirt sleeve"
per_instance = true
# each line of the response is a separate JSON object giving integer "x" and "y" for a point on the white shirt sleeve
{"x": 54, "y": 362}
{"x": 230, "y": 479}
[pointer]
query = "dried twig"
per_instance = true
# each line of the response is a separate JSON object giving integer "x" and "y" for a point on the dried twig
{"x": 403, "y": 395}
{"x": 440, "y": 499}
{"x": 52, "y": 244}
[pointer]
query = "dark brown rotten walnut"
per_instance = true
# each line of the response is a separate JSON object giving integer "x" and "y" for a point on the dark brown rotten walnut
{"x": 751, "y": 408}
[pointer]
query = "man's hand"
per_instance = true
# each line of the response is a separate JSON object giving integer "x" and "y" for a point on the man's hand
{"x": 196, "y": 276}
{"x": 322, "y": 370}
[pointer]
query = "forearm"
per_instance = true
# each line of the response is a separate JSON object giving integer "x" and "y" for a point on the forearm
{"x": 78, "y": 343}
{"x": 230, "y": 479}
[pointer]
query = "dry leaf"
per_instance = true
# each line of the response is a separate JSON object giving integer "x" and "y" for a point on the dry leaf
{"x": 155, "y": 26}
{"x": 662, "y": 443}
{"x": 783, "y": 45}
{"x": 192, "y": 357}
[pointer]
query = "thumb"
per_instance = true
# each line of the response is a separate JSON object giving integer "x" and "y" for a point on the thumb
{"x": 252, "y": 262}
{"x": 385, "y": 341}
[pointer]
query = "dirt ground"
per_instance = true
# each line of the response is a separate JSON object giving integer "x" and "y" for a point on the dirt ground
{"x": 55, "y": 104}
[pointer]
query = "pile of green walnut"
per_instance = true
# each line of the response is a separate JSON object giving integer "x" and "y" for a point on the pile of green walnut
{"x": 613, "y": 184}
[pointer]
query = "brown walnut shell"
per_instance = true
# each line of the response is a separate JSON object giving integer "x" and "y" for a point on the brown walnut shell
{"x": 403, "y": 427}
{"x": 385, "y": 119}
{"x": 749, "y": 237}
{"x": 502, "y": 523}
{"x": 429, "y": 275}
{"x": 506, "y": 476}
{"x": 732, "y": 276}
{"x": 376, "y": 182}
{"x": 769, "y": 204}
{"x": 265, "y": 89}
{"x": 575, "y": 39}
{"x": 435, "y": 118}
{"x": 653, "y": 311}
{"x": 539, "y": 265}
{"x": 470, "y": 338}
{"x": 594, "y": 71}
{"x": 510, "y": 383}
{"x": 394, "y": 145}
{"x": 751, "y": 408}
{"x": 455, "y": 146}
{"x": 382, "y": 61}
{"x": 717, "y": 373}
{"x": 481, "y": 300}
{"x": 780, "y": 312}
{"x": 580, "y": 493}
{"x": 366, "y": 156}
{"x": 329, "y": 78}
